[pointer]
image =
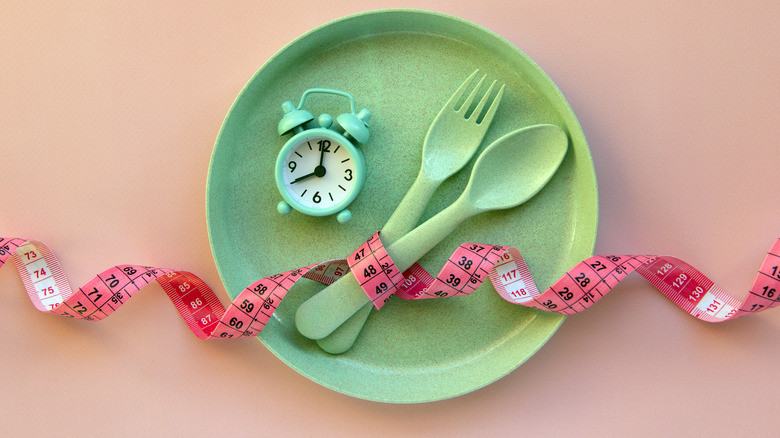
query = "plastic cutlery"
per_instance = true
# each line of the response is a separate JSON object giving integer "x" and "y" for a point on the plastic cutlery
{"x": 451, "y": 141}
{"x": 507, "y": 173}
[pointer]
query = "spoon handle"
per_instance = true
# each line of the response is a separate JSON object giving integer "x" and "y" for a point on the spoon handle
{"x": 323, "y": 313}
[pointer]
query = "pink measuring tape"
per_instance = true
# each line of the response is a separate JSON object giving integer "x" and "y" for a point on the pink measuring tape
{"x": 465, "y": 270}
{"x": 587, "y": 282}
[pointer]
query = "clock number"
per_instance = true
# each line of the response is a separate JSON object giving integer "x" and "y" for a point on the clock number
{"x": 348, "y": 177}
{"x": 292, "y": 165}
{"x": 324, "y": 145}
{"x": 316, "y": 198}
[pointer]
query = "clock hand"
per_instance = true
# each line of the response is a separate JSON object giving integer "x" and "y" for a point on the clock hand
{"x": 318, "y": 171}
{"x": 301, "y": 178}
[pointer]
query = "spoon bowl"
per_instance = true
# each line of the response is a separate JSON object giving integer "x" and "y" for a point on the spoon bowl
{"x": 510, "y": 174}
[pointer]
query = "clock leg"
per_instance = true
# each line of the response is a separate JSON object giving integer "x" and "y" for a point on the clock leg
{"x": 284, "y": 208}
{"x": 344, "y": 216}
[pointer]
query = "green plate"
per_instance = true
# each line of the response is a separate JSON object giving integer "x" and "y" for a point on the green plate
{"x": 402, "y": 65}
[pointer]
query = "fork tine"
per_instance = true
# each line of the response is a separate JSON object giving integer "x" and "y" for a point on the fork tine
{"x": 472, "y": 96}
{"x": 478, "y": 110}
{"x": 493, "y": 107}
{"x": 460, "y": 91}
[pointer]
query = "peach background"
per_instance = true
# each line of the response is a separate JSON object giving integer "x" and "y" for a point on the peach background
{"x": 108, "y": 113}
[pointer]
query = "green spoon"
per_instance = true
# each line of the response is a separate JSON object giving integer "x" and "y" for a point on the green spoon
{"x": 509, "y": 172}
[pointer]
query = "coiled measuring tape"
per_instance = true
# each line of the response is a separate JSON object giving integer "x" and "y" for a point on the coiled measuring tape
{"x": 468, "y": 267}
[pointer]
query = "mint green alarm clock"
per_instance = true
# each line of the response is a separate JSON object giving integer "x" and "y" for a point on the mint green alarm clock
{"x": 320, "y": 171}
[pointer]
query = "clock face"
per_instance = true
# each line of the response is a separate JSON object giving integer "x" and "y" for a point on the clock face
{"x": 319, "y": 172}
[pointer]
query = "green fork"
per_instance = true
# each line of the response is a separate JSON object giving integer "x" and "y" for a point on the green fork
{"x": 452, "y": 139}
